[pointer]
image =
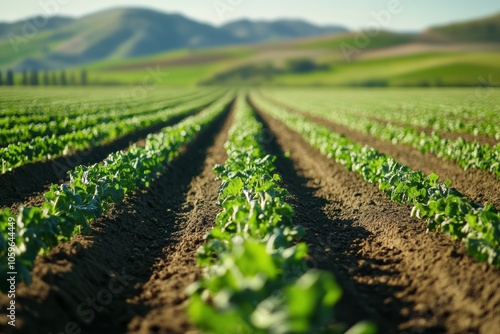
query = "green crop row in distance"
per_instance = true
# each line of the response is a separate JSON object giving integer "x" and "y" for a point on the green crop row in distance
{"x": 444, "y": 208}
{"x": 255, "y": 275}
{"x": 456, "y": 110}
{"x": 69, "y": 208}
{"x": 36, "y": 107}
{"x": 467, "y": 154}
{"x": 41, "y": 148}
{"x": 47, "y": 125}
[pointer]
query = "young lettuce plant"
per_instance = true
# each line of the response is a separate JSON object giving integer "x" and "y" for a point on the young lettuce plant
{"x": 255, "y": 275}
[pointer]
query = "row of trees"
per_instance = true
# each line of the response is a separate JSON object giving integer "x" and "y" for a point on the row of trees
{"x": 34, "y": 78}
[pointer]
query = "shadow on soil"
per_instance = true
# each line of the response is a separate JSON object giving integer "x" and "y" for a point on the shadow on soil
{"x": 83, "y": 275}
{"x": 334, "y": 244}
{"x": 32, "y": 179}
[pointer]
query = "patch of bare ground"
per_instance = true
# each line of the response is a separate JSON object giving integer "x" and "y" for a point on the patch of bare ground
{"x": 392, "y": 271}
{"x": 478, "y": 185}
{"x": 26, "y": 185}
{"x": 164, "y": 293}
{"x": 131, "y": 273}
{"x": 483, "y": 140}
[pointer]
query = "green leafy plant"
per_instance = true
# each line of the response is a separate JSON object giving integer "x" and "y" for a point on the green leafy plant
{"x": 255, "y": 276}
{"x": 443, "y": 207}
{"x": 51, "y": 146}
{"x": 69, "y": 208}
{"x": 24, "y": 127}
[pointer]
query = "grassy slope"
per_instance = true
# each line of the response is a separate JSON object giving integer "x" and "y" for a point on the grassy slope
{"x": 450, "y": 68}
{"x": 484, "y": 29}
{"x": 185, "y": 75}
{"x": 11, "y": 51}
{"x": 428, "y": 68}
{"x": 383, "y": 39}
{"x": 104, "y": 35}
{"x": 417, "y": 68}
{"x": 433, "y": 67}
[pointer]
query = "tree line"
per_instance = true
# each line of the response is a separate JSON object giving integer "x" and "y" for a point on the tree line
{"x": 45, "y": 78}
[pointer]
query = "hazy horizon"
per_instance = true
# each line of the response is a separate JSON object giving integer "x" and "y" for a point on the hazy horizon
{"x": 412, "y": 16}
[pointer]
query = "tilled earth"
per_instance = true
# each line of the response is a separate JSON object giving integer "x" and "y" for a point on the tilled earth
{"x": 130, "y": 275}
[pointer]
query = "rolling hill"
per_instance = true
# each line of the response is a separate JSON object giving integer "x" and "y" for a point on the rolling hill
{"x": 480, "y": 30}
{"x": 123, "y": 33}
{"x": 260, "y": 31}
{"x": 16, "y": 27}
{"x": 261, "y": 53}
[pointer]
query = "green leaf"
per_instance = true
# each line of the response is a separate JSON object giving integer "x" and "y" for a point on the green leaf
{"x": 233, "y": 188}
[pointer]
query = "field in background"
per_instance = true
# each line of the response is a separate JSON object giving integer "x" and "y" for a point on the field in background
{"x": 380, "y": 64}
{"x": 380, "y": 187}
{"x": 276, "y": 185}
{"x": 461, "y": 54}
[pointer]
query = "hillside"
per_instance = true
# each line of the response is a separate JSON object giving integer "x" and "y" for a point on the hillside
{"x": 316, "y": 62}
{"x": 16, "y": 27}
{"x": 480, "y": 30}
{"x": 124, "y": 33}
{"x": 259, "y": 31}
{"x": 194, "y": 53}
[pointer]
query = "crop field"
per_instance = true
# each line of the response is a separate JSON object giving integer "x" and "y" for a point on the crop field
{"x": 256, "y": 210}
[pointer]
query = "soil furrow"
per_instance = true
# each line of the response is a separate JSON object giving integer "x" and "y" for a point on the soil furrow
{"x": 164, "y": 293}
{"x": 483, "y": 140}
{"x": 391, "y": 270}
{"x": 478, "y": 185}
{"x": 25, "y": 186}
{"x": 130, "y": 274}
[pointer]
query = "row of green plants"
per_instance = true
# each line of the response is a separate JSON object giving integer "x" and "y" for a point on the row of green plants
{"x": 452, "y": 124}
{"x": 58, "y": 111}
{"x": 64, "y": 124}
{"x": 255, "y": 277}
{"x": 70, "y": 207}
{"x": 476, "y": 121}
{"x": 467, "y": 154}
{"x": 443, "y": 207}
{"x": 49, "y": 147}
{"x": 49, "y": 105}
{"x": 450, "y": 110}
{"x": 39, "y": 109}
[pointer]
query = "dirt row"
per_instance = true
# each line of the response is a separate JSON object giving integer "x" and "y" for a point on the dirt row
{"x": 481, "y": 139}
{"x": 478, "y": 185}
{"x": 391, "y": 270}
{"x": 130, "y": 275}
{"x": 26, "y": 185}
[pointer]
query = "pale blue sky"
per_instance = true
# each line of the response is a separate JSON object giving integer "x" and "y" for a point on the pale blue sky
{"x": 355, "y": 14}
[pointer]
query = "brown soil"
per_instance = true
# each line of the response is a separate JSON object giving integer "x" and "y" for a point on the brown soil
{"x": 391, "y": 270}
{"x": 25, "y": 186}
{"x": 478, "y": 185}
{"x": 483, "y": 140}
{"x": 164, "y": 291}
{"x": 131, "y": 273}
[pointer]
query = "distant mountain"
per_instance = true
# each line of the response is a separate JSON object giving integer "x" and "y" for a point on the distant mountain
{"x": 259, "y": 31}
{"x": 40, "y": 24}
{"x": 481, "y": 30}
{"x": 131, "y": 32}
